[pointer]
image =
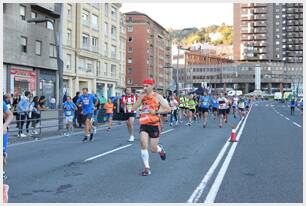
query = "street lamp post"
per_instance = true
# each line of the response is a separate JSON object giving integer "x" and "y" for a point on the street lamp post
{"x": 60, "y": 65}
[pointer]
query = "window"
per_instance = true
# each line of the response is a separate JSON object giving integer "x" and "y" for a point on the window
{"x": 95, "y": 23}
{"x": 277, "y": 42}
{"x": 69, "y": 10}
{"x": 22, "y": 12}
{"x": 130, "y": 19}
{"x": 114, "y": 13}
{"x": 113, "y": 52}
{"x": 105, "y": 48}
{"x": 130, "y": 29}
{"x": 69, "y": 36}
{"x": 130, "y": 39}
{"x": 68, "y": 61}
{"x": 52, "y": 51}
{"x": 33, "y": 16}
{"x": 94, "y": 43}
{"x": 85, "y": 18}
{"x": 85, "y": 40}
{"x": 106, "y": 9}
{"x": 105, "y": 69}
{"x": 24, "y": 42}
{"x": 130, "y": 50}
{"x": 114, "y": 32}
{"x": 50, "y": 24}
{"x": 106, "y": 28}
{"x": 129, "y": 81}
{"x": 130, "y": 70}
{"x": 130, "y": 61}
{"x": 113, "y": 70}
{"x": 38, "y": 48}
{"x": 98, "y": 70}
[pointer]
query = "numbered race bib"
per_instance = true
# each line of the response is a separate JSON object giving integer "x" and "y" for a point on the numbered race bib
{"x": 68, "y": 113}
{"x": 86, "y": 101}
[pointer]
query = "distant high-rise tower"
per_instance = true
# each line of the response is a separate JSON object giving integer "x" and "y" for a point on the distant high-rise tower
{"x": 268, "y": 32}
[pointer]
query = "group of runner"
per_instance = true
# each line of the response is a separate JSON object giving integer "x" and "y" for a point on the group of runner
{"x": 194, "y": 107}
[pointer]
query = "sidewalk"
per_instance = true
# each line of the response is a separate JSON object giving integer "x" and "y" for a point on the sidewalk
{"x": 48, "y": 127}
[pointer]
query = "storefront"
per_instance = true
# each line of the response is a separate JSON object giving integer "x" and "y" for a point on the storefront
{"x": 22, "y": 80}
{"x": 47, "y": 83}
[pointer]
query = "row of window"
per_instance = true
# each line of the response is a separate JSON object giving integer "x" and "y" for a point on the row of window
{"x": 85, "y": 13}
{"x": 38, "y": 47}
{"x": 22, "y": 14}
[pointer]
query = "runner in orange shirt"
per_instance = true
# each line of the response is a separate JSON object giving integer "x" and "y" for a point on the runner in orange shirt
{"x": 109, "y": 107}
{"x": 152, "y": 104}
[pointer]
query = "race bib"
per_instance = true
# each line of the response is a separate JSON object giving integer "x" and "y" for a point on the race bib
{"x": 68, "y": 113}
{"x": 86, "y": 101}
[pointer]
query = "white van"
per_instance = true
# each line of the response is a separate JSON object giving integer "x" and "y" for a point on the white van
{"x": 233, "y": 93}
{"x": 277, "y": 96}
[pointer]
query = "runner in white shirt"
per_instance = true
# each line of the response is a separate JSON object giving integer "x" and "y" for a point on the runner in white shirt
{"x": 235, "y": 105}
{"x": 222, "y": 109}
{"x": 128, "y": 101}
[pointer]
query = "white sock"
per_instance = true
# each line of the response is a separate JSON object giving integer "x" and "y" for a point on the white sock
{"x": 145, "y": 158}
{"x": 159, "y": 148}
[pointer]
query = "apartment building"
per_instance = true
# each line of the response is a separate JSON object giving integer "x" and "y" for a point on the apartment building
{"x": 29, "y": 54}
{"x": 94, "y": 48}
{"x": 268, "y": 32}
{"x": 148, "y": 52}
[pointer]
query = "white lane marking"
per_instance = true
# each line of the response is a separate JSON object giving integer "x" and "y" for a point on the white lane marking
{"x": 297, "y": 124}
{"x": 281, "y": 115}
{"x": 200, "y": 188}
{"x": 106, "y": 153}
{"x": 211, "y": 196}
{"x": 287, "y": 118}
{"x": 169, "y": 130}
{"x": 59, "y": 136}
{"x": 119, "y": 148}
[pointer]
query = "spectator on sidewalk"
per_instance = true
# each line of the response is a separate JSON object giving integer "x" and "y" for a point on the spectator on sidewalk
{"x": 78, "y": 117}
{"x": 42, "y": 103}
{"x": 22, "y": 112}
{"x": 53, "y": 103}
{"x": 34, "y": 114}
{"x": 7, "y": 100}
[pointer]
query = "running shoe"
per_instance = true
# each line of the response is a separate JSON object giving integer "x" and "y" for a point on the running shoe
{"x": 146, "y": 172}
{"x": 131, "y": 139}
{"x": 85, "y": 139}
{"x": 162, "y": 153}
{"x": 91, "y": 136}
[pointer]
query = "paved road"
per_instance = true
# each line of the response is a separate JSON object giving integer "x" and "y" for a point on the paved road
{"x": 56, "y": 170}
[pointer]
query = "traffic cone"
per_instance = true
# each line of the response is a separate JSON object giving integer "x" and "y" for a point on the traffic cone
{"x": 5, "y": 193}
{"x": 233, "y": 134}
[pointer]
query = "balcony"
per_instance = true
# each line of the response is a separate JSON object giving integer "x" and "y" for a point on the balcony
{"x": 247, "y": 38}
{"x": 260, "y": 30}
{"x": 262, "y": 50}
{"x": 259, "y": 24}
{"x": 260, "y": 37}
{"x": 260, "y": 5}
{"x": 247, "y": 18}
{"x": 260, "y": 11}
{"x": 260, "y": 17}
{"x": 247, "y": 5}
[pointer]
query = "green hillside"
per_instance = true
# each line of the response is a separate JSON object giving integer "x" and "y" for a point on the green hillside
{"x": 191, "y": 35}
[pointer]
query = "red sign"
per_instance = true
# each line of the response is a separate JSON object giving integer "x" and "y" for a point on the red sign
{"x": 25, "y": 75}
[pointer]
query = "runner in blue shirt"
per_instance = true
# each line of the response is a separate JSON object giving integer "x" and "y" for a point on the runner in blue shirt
{"x": 204, "y": 106}
{"x": 69, "y": 110}
{"x": 292, "y": 105}
{"x": 87, "y": 102}
{"x": 7, "y": 118}
{"x": 215, "y": 105}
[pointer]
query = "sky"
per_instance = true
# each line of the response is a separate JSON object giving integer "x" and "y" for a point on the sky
{"x": 184, "y": 15}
